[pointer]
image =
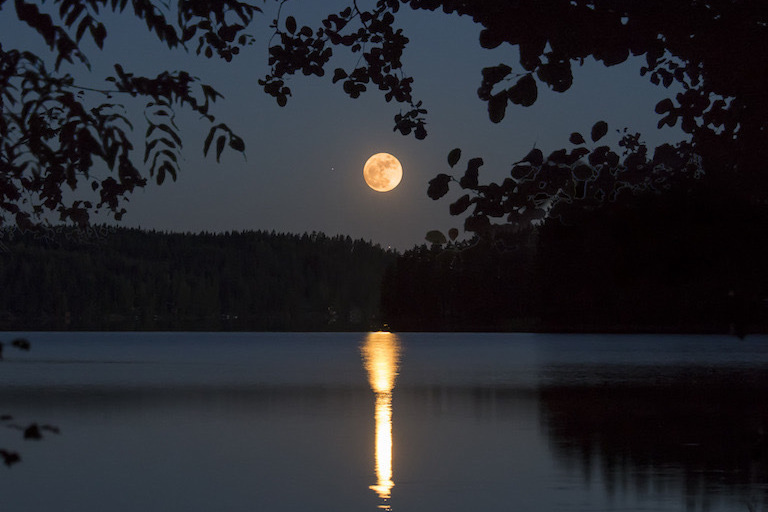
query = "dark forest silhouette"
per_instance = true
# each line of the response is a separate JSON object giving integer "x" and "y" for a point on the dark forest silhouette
{"x": 663, "y": 265}
{"x": 669, "y": 273}
{"x": 133, "y": 279}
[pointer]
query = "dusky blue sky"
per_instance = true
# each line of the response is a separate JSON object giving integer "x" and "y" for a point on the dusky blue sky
{"x": 303, "y": 165}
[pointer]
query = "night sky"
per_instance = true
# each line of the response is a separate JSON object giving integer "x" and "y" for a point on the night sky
{"x": 303, "y": 165}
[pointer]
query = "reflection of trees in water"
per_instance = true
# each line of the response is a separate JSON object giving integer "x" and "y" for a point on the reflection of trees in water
{"x": 701, "y": 432}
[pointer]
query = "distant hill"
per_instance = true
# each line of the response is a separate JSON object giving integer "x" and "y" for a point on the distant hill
{"x": 129, "y": 279}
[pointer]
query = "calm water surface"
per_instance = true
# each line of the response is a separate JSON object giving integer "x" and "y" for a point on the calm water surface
{"x": 407, "y": 422}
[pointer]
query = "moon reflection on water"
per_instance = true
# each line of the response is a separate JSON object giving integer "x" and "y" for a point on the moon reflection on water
{"x": 381, "y": 358}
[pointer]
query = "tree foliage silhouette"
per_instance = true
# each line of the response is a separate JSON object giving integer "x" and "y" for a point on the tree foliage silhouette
{"x": 130, "y": 279}
{"x": 53, "y": 138}
{"x": 56, "y": 133}
{"x": 567, "y": 182}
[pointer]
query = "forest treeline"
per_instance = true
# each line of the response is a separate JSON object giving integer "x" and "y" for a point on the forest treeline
{"x": 124, "y": 279}
{"x": 667, "y": 263}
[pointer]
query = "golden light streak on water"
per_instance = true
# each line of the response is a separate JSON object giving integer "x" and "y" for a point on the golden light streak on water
{"x": 381, "y": 357}
{"x": 383, "y": 451}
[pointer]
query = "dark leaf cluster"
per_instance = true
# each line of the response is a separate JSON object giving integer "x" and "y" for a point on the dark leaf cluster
{"x": 56, "y": 134}
{"x": 568, "y": 181}
{"x": 50, "y": 139}
{"x": 371, "y": 34}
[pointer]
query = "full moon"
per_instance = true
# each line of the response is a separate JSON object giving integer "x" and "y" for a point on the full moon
{"x": 382, "y": 172}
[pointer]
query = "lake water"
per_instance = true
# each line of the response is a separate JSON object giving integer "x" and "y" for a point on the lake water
{"x": 408, "y": 422}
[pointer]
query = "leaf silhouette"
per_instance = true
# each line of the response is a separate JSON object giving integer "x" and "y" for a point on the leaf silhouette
{"x": 461, "y": 205}
{"x": 290, "y": 24}
{"x": 535, "y": 157}
{"x": 559, "y": 156}
{"x": 237, "y": 144}
{"x": 497, "y": 106}
{"x": 339, "y": 74}
{"x": 599, "y": 130}
{"x": 664, "y": 105}
{"x": 477, "y": 223}
{"x": 576, "y": 138}
{"x": 469, "y": 180}
{"x": 578, "y": 153}
{"x": 436, "y": 237}
{"x": 438, "y": 186}
{"x": 220, "y": 142}
{"x": 453, "y": 156}
{"x": 208, "y": 140}
{"x": 524, "y": 92}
